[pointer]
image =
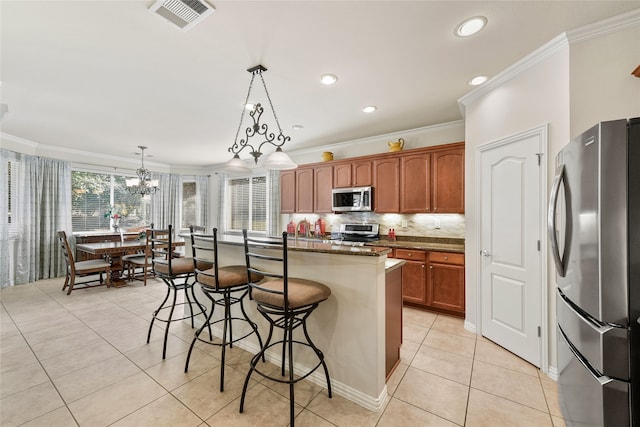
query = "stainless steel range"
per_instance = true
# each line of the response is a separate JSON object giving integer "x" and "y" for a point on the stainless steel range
{"x": 356, "y": 234}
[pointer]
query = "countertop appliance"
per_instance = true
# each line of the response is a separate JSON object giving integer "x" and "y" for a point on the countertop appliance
{"x": 355, "y": 234}
{"x": 594, "y": 228}
{"x": 355, "y": 199}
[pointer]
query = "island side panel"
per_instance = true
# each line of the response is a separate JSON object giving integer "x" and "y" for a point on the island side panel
{"x": 349, "y": 327}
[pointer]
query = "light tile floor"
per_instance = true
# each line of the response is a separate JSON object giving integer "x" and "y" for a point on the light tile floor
{"x": 82, "y": 359}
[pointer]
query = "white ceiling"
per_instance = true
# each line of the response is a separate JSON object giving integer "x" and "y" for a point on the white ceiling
{"x": 106, "y": 76}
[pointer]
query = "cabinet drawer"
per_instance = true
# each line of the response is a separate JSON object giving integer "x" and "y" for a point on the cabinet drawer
{"x": 446, "y": 257}
{"x": 416, "y": 255}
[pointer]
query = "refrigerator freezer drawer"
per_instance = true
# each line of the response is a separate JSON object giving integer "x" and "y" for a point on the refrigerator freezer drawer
{"x": 605, "y": 347}
{"x": 586, "y": 398}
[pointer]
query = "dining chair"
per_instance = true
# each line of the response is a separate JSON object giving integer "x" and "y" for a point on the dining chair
{"x": 177, "y": 273}
{"x": 224, "y": 286}
{"x": 286, "y": 303}
{"x": 141, "y": 261}
{"x": 82, "y": 268}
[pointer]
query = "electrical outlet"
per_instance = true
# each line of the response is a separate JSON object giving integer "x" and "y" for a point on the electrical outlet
{"x": 436, "y": 224}
{"x": 404, "y": 223}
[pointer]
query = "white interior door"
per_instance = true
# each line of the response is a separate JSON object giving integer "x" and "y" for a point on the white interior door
{"x": 512, "y": 218}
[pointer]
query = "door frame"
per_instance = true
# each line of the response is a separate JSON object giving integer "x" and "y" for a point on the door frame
{"x": 542, "y": 133}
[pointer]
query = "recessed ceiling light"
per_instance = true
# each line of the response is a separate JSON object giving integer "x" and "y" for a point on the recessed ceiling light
{"x": 478, "y": 80}
{"x": 328, "y": 79}
{"x": 369, "y": 108}
{"x": 471, "y": 26}
{"x": 297, "y": 127}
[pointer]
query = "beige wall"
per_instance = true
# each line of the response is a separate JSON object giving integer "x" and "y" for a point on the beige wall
{"x": 602, "y": 86}
{"x": 535, "y": 96}
{"x": 570, "y": 87}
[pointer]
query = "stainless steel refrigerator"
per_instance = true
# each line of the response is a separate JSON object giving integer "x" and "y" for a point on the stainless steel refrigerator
{"x": 594, "y": 228}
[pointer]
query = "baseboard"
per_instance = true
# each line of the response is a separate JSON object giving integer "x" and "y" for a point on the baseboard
{"x": 375, "y": 404}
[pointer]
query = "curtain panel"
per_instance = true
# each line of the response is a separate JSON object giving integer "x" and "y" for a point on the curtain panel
{"x": 40, "y": 206}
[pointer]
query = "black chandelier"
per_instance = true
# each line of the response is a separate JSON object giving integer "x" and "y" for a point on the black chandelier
{"x": 143, "y": 184}
{"x": 277, "y": 160}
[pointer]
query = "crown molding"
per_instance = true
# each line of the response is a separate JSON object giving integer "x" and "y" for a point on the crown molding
{"x": 377, "y": 138}
{"x": 64, "y": 152}
{"x": 586, "y": 32}
{"x": 606, "y": 26}
{"x": 542, "y": 53}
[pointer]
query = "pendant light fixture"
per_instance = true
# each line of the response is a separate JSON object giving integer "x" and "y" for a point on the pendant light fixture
{"x": 277, "y": 160}
{"x": 143, "y": 184}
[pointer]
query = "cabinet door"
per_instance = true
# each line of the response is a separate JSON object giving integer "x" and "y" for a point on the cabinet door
{"x": 361, "y": 174}
{"x": 304, "y": 190}
{"x": 413, "y": 282}
{"x": 446, "y": 287}
{"x": 448, "y": 181}
{"x": 415, "y": 183}
{"x": 288, "y": 191}
{"x": 322, "y": 186}
{"x": 386, "y": 178}
{"x": 342, "y": 176}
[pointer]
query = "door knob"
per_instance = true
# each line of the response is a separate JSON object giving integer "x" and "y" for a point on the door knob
{"x": 485, "y": 253}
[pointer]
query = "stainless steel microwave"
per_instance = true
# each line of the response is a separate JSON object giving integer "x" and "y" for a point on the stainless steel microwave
{"x": 356, "y": 199}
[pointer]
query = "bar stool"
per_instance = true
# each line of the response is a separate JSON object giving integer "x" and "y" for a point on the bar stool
{"x": 223, "y": 286}
{"x": 175, "y": 272}
{"x": 286, "y": 302}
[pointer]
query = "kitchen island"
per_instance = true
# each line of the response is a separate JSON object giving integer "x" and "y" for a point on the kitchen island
{"x": 350, "y": 327}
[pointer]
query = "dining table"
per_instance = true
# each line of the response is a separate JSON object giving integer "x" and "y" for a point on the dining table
{"x": 114, "y": 251}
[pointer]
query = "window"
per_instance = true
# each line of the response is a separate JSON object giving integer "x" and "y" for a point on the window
{"x": 94, "y": 195}
{"x": 248, "y": 204}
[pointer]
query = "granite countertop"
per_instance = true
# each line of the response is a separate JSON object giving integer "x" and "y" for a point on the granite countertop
{"x": 375, "y": 248}
{"x": 427, "y": 244}
{"x": 315, "y": 245}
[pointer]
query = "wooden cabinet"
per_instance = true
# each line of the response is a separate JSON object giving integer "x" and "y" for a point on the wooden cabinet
{"x": 448, "y": 181}
{"x": 322, "y": 186}
{"x": 304, "y": 190}
{"x": 386, "y": 182}
{"x": 393, "y": 319}
{"x": 423, "y": 180}
{"x": 288, "y": 191}
{"x": 361, "y": 172}
{"x": 415, "y": 183}
{"x": 432, "y": 279}
{"x": 414, "y": 277}
{"x": 355, "y": 174}
{"x": 445, "y": 284}
{"x": 296, "y": 191}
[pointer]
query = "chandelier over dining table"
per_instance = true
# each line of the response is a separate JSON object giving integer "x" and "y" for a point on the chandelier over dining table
{"x": 259, "y": 135}
{"x": 143, "y": 184}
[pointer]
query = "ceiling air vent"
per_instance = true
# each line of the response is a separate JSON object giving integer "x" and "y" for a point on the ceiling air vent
{"x": 183, "y": 13}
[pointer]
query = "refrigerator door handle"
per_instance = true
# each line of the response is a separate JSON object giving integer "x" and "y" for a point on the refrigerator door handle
{"x": 602, "y": 379}
{"x": 551, "y": 220}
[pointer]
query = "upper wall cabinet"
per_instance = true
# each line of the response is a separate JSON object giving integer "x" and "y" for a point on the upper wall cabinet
{"x": 415, "y": 183}
{"x": 423, "y": 180}
{"x": 448, "y": 181}
{"x": 288, "y": 191}
{"x": 296, "y": 191}
{"x": 322, "y": 186}
{"x": 353, "y": 174}
{"x": 386, "y": 182}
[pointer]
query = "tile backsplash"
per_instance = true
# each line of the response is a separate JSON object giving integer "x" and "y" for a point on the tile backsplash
{"x": 417, "y": 225}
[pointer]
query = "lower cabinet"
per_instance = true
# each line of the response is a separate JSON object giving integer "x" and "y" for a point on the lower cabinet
{"x": 445, "y": 282}
{"x": 413, "y": 275}
{"x": 433, "y": 280}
